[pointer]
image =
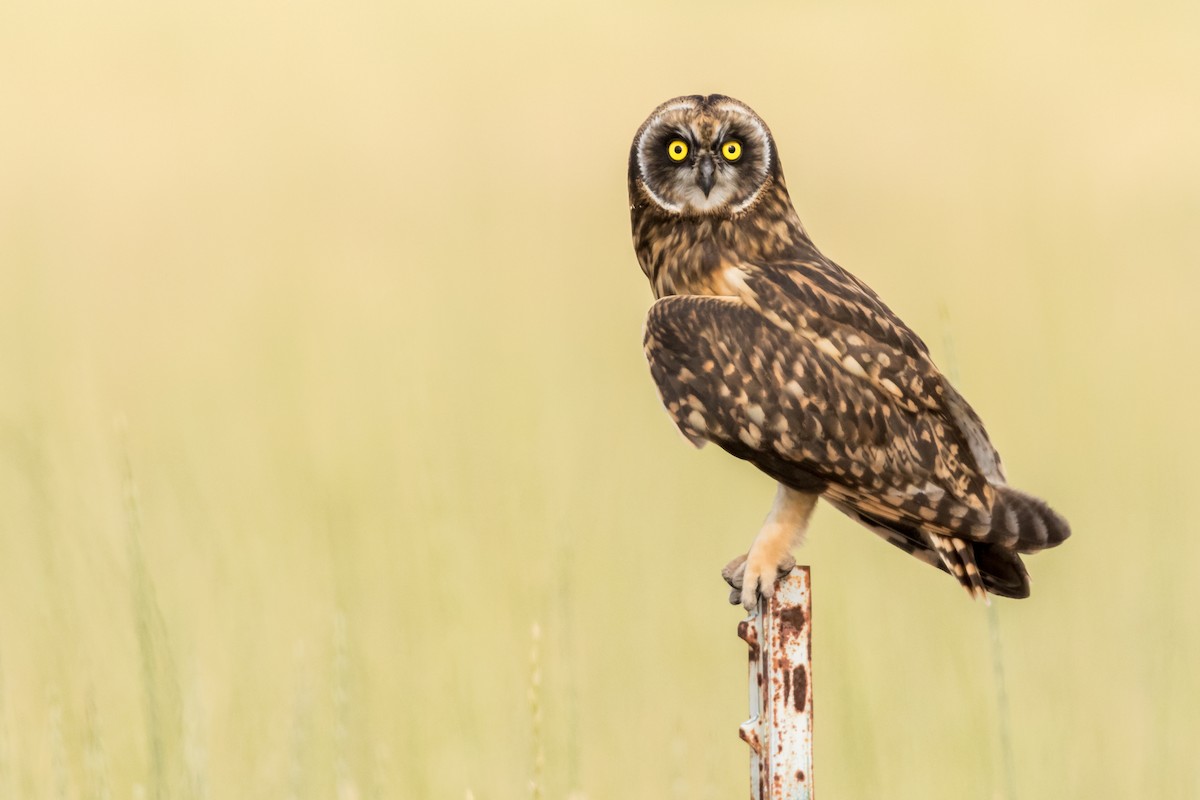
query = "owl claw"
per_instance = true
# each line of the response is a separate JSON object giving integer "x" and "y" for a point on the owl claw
{"x": 734, "y": 574}
{"x": 734, "y": 570}
{"x": 751, "y": 575}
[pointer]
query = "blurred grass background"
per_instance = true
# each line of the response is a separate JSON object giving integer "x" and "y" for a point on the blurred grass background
{"x": 321, "y": 383}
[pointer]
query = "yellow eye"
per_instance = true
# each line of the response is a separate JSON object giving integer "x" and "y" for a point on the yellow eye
{"x": 677, "y": 150}
{"x": 732, "y": 150}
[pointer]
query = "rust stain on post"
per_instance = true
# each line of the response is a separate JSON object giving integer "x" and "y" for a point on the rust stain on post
{"x": 780, "y": 729}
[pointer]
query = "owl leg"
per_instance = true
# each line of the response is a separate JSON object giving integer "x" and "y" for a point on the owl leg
{"x": 770, "y": 555}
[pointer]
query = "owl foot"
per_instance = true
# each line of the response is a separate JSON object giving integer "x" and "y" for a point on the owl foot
{"x": 754, "y": 574}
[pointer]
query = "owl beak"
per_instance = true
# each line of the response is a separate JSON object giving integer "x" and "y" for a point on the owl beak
{"x": 708, "y": 175}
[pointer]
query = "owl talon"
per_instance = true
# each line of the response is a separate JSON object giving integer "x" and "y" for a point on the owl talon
{"x": 755, "y": 576}
{"x": 734, "y": 571}
{"x": 750, "y": 592}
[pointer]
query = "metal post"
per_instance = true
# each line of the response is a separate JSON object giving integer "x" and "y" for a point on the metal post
{"x": 780, "y": 728}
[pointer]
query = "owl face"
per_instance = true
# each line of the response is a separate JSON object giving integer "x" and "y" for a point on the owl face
{"x": 702, "y": 156}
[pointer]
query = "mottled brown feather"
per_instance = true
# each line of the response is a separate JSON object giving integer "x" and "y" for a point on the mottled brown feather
{"x": 762, "y": 345}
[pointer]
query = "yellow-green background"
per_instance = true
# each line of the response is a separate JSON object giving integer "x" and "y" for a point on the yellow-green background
{"x": 321, "y": 384}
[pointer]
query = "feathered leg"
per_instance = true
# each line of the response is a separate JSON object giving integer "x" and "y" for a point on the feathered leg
{"x": 770, "y": 555}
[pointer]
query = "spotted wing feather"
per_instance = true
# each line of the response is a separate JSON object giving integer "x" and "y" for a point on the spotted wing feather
{"x": 805, "y": 373}
{"x": 732, "y": 377}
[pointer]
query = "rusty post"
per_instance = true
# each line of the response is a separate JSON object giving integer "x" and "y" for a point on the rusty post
{"x": 780, "y": 729}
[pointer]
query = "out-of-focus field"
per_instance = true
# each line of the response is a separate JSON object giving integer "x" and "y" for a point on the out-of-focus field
{"x": 321, "y": 383}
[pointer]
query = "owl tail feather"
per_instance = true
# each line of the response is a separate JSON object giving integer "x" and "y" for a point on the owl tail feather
{"x": 1003, "y": 572}
{"x": 1027, "y": 521}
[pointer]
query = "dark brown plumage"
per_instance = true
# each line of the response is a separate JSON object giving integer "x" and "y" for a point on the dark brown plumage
{"x": 762, "y": 345}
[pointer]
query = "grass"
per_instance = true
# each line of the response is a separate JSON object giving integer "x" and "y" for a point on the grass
{"x": 358, "y": 280}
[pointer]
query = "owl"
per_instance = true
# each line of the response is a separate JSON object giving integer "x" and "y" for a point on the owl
{"x": 762, "y": 345}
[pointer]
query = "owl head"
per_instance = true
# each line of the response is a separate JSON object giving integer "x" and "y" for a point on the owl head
{"x": 702, "y": 156}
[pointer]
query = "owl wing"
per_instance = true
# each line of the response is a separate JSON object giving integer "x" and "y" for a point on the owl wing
{"x": 804, "y": 372}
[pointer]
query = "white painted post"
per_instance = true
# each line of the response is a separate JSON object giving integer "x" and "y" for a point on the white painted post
{"x": 780, "y": 728}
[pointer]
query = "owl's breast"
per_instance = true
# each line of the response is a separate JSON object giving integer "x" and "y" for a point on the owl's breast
{"x": 694, "y": 255}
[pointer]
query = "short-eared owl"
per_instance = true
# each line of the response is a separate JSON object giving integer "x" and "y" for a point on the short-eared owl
{"x": 761, "y": 344}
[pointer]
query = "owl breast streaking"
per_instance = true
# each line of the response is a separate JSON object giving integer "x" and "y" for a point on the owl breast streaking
{"x": 761, "y": 344}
